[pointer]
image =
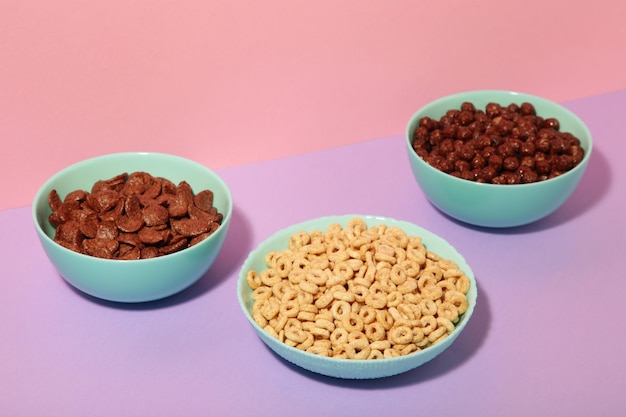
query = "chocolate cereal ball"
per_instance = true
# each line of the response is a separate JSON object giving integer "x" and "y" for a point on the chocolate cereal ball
{"x": 497, "y": 145}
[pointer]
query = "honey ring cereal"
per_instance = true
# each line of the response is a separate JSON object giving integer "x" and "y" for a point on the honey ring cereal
{"x": 339, "y": 309}
{"x": 348, "y": 292}
{"x": 254, "y": 279}
{"x": 401, "y": 335}
{"x": 352, "y": 322}
{"x": 339, "y": 336}
{"x": 270, "y": 277}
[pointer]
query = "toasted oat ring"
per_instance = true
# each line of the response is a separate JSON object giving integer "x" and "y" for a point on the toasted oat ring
{"x": 380, "y": 344}
{"x": 382, "y": 274}
{"x": 340, "y": 294}
{"x": 408, "y": 349}
{"x": 259, "y": 319}
{"x": 354, "y": 352}
{"x": 385, "y": 253}
{"x": 270, "y": 258}
{"x": 295, "y": 334}
{"x": 314, "y": 248}
{"x": 411, "y": 267}
{"x": 375, "y": 331}
{"x": 394, "y": 298}
{"x": 428, "y": 324}
{"x": 308, "y": 286}
{"x": 336, "y": 250}
{"x": 339, "y": 309}
{"x": 400, "y": 335}
{"x": 282, "y": 288}
{"x": 283, "y": 265}
{"x": 390, "y": 353}
{"x": 269, "y": 308}
{"x": 463, "y": 284}
{"x": 280, "y": 323}
{"x": 367, "y": 314}
{"x": 416, "y": 251}
{"x": 320, "y": 333}
{"x": 436, "y": 334}
{"x": 269, "y": 329}
{"x": 317, "y": 276}
{"x": 447, "y": 284}
{"x": 270, "y": 277}
{"x": 339, "y": 336}
{"x": 376, "y": 300}
{"x": 289, "y": 308}
{"x": 447, "y": 265}
{"x": 445, "y": 323}
{"x": 319, "y": 350}
{"x": 254, "y": 279}
{"x": 324, "y": 300}
{"x": 398, "y": 274}
{"x": 305, "y": 298}
{"x": 298, "y": 240}
{"x": 375, "y": 354}
{"x": 261, "y": 293}
{"x": 306, "y": 316}
{"x": 384, "y": 318}
{"x": 435, "y": 271}
{"x": 396, "y": 236}
{"x": 306, "y": 343}
{"x": 428, "y": 307}
{"x": 344, "y": 270}
{"x": 457, "y": 299}
{"x": 408, "y": 286}
{"x": 358, "y": 339}
{"x": 310, "y": 308}
{"x": 332, "y": 231}
{"x": 452, "y": 273}
{"x": 355, "y": 307}
{"x": 448, "y": 311}
{"x": 357, "y": 225}
{"x": 426, "y": 279}
{"x": 412, "y": 298}
{"x": 360, "y": 292}
{"x": 340, "y": 351}
{"x": 335, "y": 279}
{"x": 318, "y": 261}
{"x": 418, "y": 335}
{"x": 432, "y": 292}
{"x": 352, "y": 322}
{"x": 297, "y": 275}
{"x": 325, "y": 324}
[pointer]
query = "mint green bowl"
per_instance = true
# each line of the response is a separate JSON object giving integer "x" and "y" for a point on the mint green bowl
{"x": 352, "y": 368}
{"x": 134, "y": 280}
{"x": 492, "y": 205}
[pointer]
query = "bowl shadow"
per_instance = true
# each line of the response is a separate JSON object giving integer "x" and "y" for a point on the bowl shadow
{"x": 234, "y": 251}
{"x": 593, "y": 186}
{"x": 462, "y": 350}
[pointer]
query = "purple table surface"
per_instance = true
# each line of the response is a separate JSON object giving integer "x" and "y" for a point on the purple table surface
{"x": 547, "y": 337}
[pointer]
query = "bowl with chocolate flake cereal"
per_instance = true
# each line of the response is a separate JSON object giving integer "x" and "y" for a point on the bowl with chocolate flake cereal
{"x": 133, "y": 227}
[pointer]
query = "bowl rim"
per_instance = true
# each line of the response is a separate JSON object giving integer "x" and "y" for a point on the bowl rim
{"x": 462, "y": 96}
{"x": 40, "y": 195}
{"x": 286, "y": 231}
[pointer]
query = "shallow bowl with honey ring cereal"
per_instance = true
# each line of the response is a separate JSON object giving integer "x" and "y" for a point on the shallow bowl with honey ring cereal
{"x": 497, "y": 205}
{"x": 142, "y": 279}
{"x": 352, "y": 368}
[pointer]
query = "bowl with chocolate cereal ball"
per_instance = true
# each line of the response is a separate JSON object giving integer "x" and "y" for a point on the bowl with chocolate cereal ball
{"x": 132, "y": 227}
{"x": 356, "y": 296}
{"x": 497, "y": 158}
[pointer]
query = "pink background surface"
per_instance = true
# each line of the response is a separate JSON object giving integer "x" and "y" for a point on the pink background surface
{"x": 230, "y": 83}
